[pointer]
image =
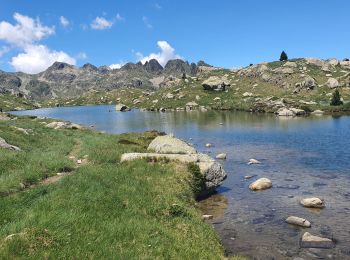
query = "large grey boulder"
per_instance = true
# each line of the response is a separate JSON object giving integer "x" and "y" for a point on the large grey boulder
{"x": 5, "y": 145}
{"x": 332, "y": 83}
{"x": 170, "y": 144}
{"x": 215, "y": 83}
{"x": 311, "y": 241}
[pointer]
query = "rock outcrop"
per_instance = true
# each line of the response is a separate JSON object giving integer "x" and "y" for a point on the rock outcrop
{"x": 215, "y": 83}
{"x": 177, "y": 150}
{"x": 5, "y": 145}
{"x": 63, "y": 125}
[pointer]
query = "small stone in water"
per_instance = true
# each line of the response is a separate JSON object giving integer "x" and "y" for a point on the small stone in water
{"x": 206, "y": 217}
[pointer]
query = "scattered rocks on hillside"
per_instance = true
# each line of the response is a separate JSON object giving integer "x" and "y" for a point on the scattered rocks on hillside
{"x": 121, "y": 108}
{"x": 191, "y": 106}
{"x": 5, "y": 145}
{"x": 63, "y": 125}
{"x": 284, "y": 70}
{"x": 332, "y": 83}
{"x": 312, "y": 203}
{"x": 22, "y": 130}
{"x": 247, "y": 94}
{"x": 261, "y": 184}
{"x": 290, "y": 64}
{"x": 215, "y": 83}
{"x": 221, "y": 156}
{"x": 309, "y": 83}
{"x": 169, "y": 96}
{"x": 177, "y": 150}
{"x": 298, "y": 221}
{"x": 311, "y": 241}
{"x": 4, "y": 117}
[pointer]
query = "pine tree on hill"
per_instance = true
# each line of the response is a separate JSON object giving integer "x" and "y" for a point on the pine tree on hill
{"x": 336, "y": 99}
{"x": 283, "y": 56}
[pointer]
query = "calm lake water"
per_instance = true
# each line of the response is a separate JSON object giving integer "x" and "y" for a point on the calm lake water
{"x": 302, "y": 156}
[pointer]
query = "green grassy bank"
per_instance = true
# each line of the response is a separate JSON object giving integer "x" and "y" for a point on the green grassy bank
{"x": 101, "y": 209}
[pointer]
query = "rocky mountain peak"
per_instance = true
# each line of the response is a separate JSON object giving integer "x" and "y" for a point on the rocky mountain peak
{"x": 203, "y": 64}
{"x": 89, "y": 67}
{"x": 59, "y": 66}
{"x": 178, "y": 67}
{"x": 153, "y": 66}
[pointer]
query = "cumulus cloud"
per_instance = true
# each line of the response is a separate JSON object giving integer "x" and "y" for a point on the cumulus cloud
{"x": 37, "y": 58}
{"x": 146, "y": 22}
{"x": 25, "y": 31}
{"x": 64, "y": 21}
{"x": 166, "y": 53}
{"x": 116, "y": 65}
{"x": 26, "y": 34}
{"x": 100, "y": 23}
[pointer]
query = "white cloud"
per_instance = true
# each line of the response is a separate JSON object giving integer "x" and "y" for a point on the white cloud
{"x": 25, "y": 31}
{"x": 26, "y": 35}
{"x": 37, "y": 58}
{"x": 64, "y": 21}
{"x": 158, "y": 6}
{"x": 146, "y": 22}
{"x": 100, "y": 23}
{"x": 166, "y": 53}
{"x": 116, "y": 65}
{"x": 4, "y": 50}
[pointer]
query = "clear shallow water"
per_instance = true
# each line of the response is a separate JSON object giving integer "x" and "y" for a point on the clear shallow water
{"x": 302, "y": 156}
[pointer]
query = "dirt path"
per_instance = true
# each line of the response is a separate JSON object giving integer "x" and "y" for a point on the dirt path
{"x": 73, "y": 154}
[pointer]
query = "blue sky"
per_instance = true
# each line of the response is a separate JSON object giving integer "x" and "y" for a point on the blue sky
{"x": 223, "y": 33}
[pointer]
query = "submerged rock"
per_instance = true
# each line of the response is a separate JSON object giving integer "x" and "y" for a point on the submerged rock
{"x": 5, "y": 145}
{"x": 312, "y": 203}
{"x": 253, "y": 161}
{"x": 298, "y": 221}
{"x": 311, "y": 241}
{"x": 261, "y": 184}
{"x": 221, "y": 156}
{"x": 207, "y": 217}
